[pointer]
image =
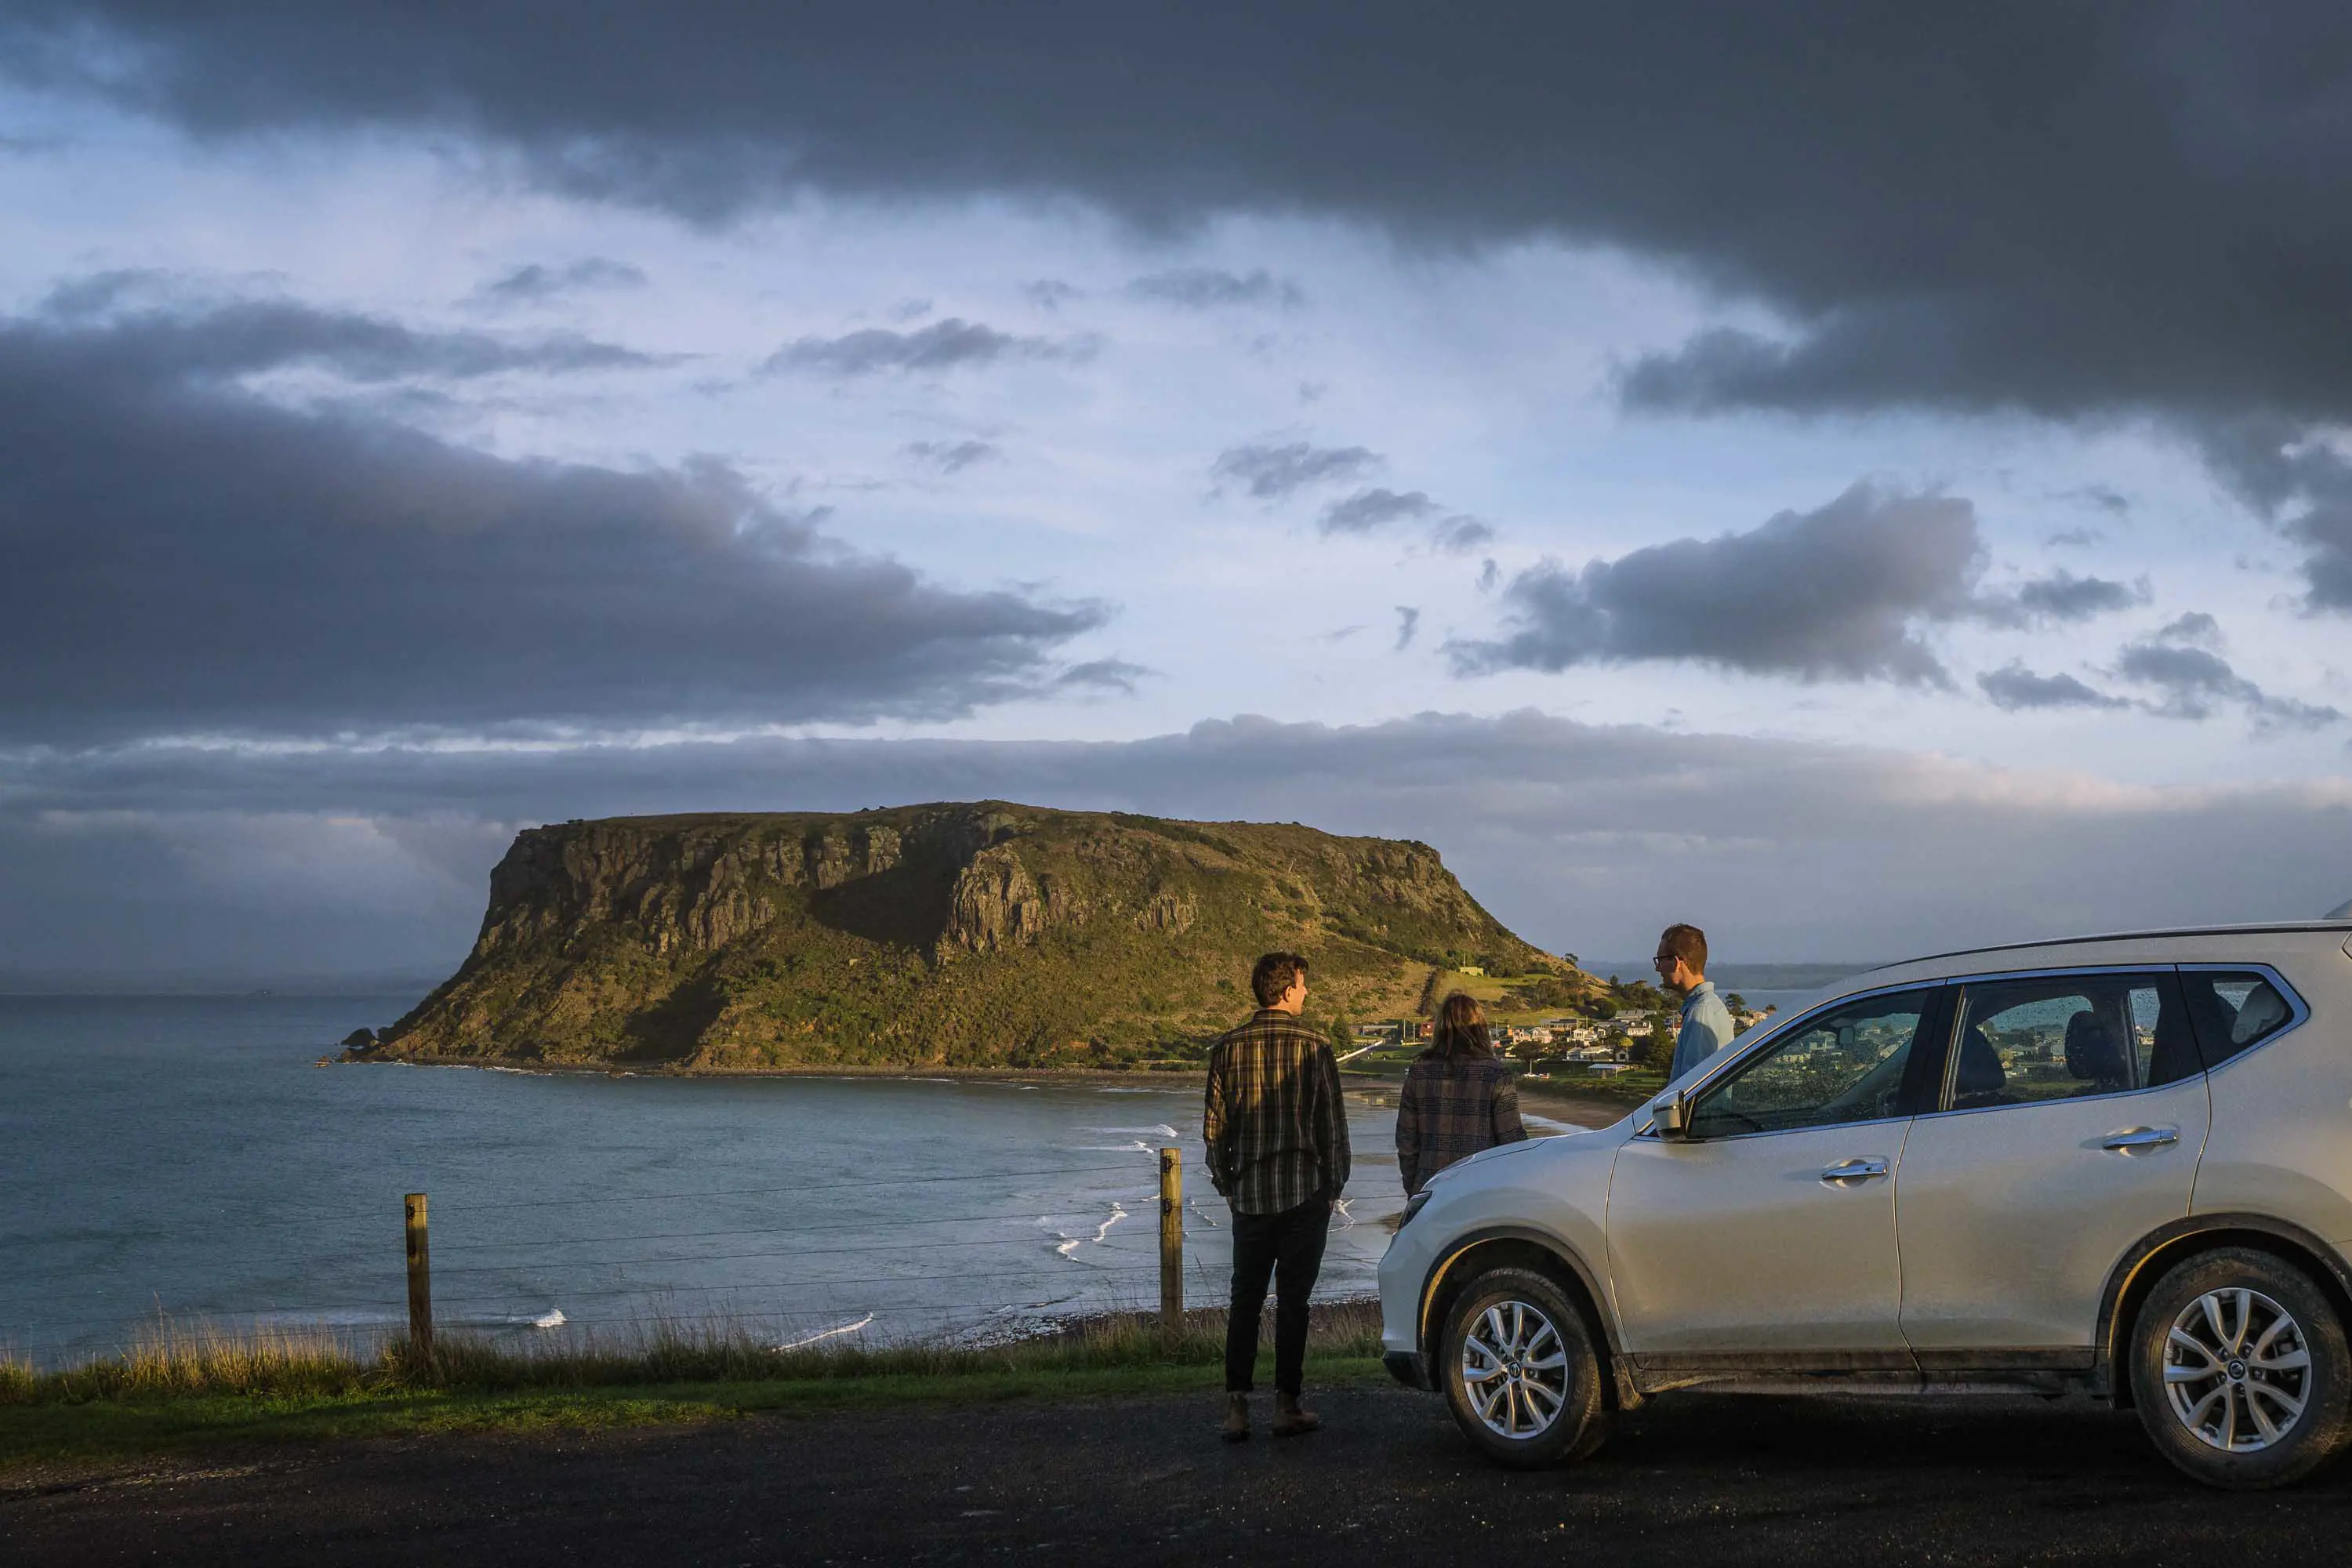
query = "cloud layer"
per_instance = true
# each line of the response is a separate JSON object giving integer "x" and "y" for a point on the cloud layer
{"x": 1582, "y": 837}
{"x": 2022, "y": 208}
{"x": 1841, "y": 593}
{"x": 185, "y": 555}
{"x": 1835, "y": 594}
{"x": 2183, "y": 662}
{"x": 2103, "y": 211}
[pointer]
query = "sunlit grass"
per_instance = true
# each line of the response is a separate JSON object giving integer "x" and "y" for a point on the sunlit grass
{"x": 177, "y": 1385}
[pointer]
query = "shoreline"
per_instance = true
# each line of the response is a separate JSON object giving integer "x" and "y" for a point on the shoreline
{"x": 1585, "y": 1108}
{"x": 1184, "y": 1076}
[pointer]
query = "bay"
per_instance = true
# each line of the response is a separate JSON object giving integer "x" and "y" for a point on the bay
{"x": 183, "y": 1157}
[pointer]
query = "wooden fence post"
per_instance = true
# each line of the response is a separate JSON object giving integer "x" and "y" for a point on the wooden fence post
{"x": 420, "y": 1277}
{"x": 1171, "y": 1245}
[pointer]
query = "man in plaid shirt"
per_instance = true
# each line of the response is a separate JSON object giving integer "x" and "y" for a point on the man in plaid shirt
{"x": 1277, "y": 1137}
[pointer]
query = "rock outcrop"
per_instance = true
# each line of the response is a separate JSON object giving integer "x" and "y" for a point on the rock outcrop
{"x": 954, "y": 933}
{"x": 996, "y": 905}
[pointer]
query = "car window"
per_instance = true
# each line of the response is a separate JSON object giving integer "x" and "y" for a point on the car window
{"x": 1845, "y": 1066}
{"x": 2024, "y": 1042}
{"x": 2232, "y": 1010}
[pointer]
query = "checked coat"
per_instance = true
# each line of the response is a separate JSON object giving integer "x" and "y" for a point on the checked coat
{"x": 1450, "y": 1111}
{"x": 1274, "y": 1120}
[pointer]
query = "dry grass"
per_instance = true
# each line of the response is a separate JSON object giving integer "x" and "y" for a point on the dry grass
{"x": 172, "y": 1361}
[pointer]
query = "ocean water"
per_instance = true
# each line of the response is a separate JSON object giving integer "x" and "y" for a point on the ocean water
{"x": 183, "y": 1157}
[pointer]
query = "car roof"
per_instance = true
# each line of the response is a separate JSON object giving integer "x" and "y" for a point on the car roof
{"x": 2169, "y": 945}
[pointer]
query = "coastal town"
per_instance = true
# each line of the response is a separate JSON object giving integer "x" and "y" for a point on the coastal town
{"x": 1569, "y": 1047}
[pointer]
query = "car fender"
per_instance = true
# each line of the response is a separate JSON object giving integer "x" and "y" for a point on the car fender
{"x": 2140, "y": 1268}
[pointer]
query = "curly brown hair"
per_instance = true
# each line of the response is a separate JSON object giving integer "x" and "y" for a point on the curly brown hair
{"x": 1461, "y": 1032}
{"x": 1272, "y": 975}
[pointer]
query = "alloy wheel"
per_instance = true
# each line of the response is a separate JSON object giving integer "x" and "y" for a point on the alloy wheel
{"x": 2237, "y": 1370}
{"x": 1514, "y": 1368}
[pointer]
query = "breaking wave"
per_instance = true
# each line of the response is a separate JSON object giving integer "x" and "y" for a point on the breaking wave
{"x": 827, "y": 1333}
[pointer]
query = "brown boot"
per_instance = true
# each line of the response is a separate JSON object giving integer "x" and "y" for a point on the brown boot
{"x": 1237, "y": 1426}
{"x": 1291, "y": 1418}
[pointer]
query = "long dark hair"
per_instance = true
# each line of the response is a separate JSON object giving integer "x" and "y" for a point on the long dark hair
{"x": 1461, "y": 1032}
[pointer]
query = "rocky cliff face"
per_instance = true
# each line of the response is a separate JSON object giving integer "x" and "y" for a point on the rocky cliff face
{"x": 967, "y": 933}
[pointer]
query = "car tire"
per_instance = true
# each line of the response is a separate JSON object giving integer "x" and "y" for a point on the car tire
{"x": 1517, "y": 1364}
{"x": 2239, "y": 1371}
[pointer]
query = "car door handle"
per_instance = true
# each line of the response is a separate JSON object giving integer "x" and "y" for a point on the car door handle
{"x": 1847, "y": 1173}
{"x": 2133, "y": 1138}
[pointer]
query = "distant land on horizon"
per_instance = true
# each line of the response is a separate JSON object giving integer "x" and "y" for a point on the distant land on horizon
{"x": 1740, "y": 976}
{"x": 214, "y": 983}
{"x": 983, "y": 934}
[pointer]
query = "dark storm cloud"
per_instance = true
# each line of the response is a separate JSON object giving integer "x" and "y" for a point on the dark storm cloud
{"x": 1837, "y": 594}
{"x": 1274, "y": 472}
{"x": 2015, "y": 688}
{"x": 156, "y": 854}
{"x": 942, "y": 345}
{"x": 2327, "y": 570}
{"x": 951, "y": 457}
{"x": 2303, "y": 482}
{"x": 2090, "y": 210}
{"x": 2063, "y": 209}
{"x": 185, "y": 556}
{"x": 1206, "y": 287}
{"x": 537, "y": 281}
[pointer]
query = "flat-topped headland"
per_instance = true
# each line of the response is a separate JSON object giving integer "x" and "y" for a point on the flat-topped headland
{"x": 984, "y": 935}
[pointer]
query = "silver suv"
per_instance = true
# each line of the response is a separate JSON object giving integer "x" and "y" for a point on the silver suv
{"x": 2122, "y": 1163}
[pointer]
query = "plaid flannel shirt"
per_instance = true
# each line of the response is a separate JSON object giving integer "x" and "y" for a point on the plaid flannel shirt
{"x": 1450, "y": 1111}
{"x": 1276, "y": 1129}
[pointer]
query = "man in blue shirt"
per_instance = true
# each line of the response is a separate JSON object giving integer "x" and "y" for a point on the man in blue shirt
{"x": 1707, "y": 1022}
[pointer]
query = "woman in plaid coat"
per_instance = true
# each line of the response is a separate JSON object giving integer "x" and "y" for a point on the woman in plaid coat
{"x": 1458, "y": 1097}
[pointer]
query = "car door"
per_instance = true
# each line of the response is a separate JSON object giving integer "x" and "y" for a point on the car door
{"x": 2068, "y": 1126}
{"x": 1768, "y": 1231}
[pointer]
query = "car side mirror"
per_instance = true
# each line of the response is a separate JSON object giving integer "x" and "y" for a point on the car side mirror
{"x": 1671, "y": 1117}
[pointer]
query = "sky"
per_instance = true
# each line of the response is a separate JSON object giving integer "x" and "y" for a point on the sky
{"x": 1864, "y": 479}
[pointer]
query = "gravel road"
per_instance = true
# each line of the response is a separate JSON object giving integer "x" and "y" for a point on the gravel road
{"x": 1693, "y": 1480}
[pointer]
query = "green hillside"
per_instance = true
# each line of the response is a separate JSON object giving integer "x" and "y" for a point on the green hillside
{"x": 954, "y": 935}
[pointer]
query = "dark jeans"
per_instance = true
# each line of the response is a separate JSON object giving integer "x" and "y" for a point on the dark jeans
{"x": 1288, "y": 1248}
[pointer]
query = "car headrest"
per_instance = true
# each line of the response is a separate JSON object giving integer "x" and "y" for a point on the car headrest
{"x": 1978, "y": 1071}
{"x": 2262, "y": 1011}
{"x": 2093, "y": 1051}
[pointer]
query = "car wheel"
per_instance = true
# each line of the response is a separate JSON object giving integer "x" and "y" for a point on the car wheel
{"x": 1519, "y": 1372}
{"x": 2239, "y": 1371}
